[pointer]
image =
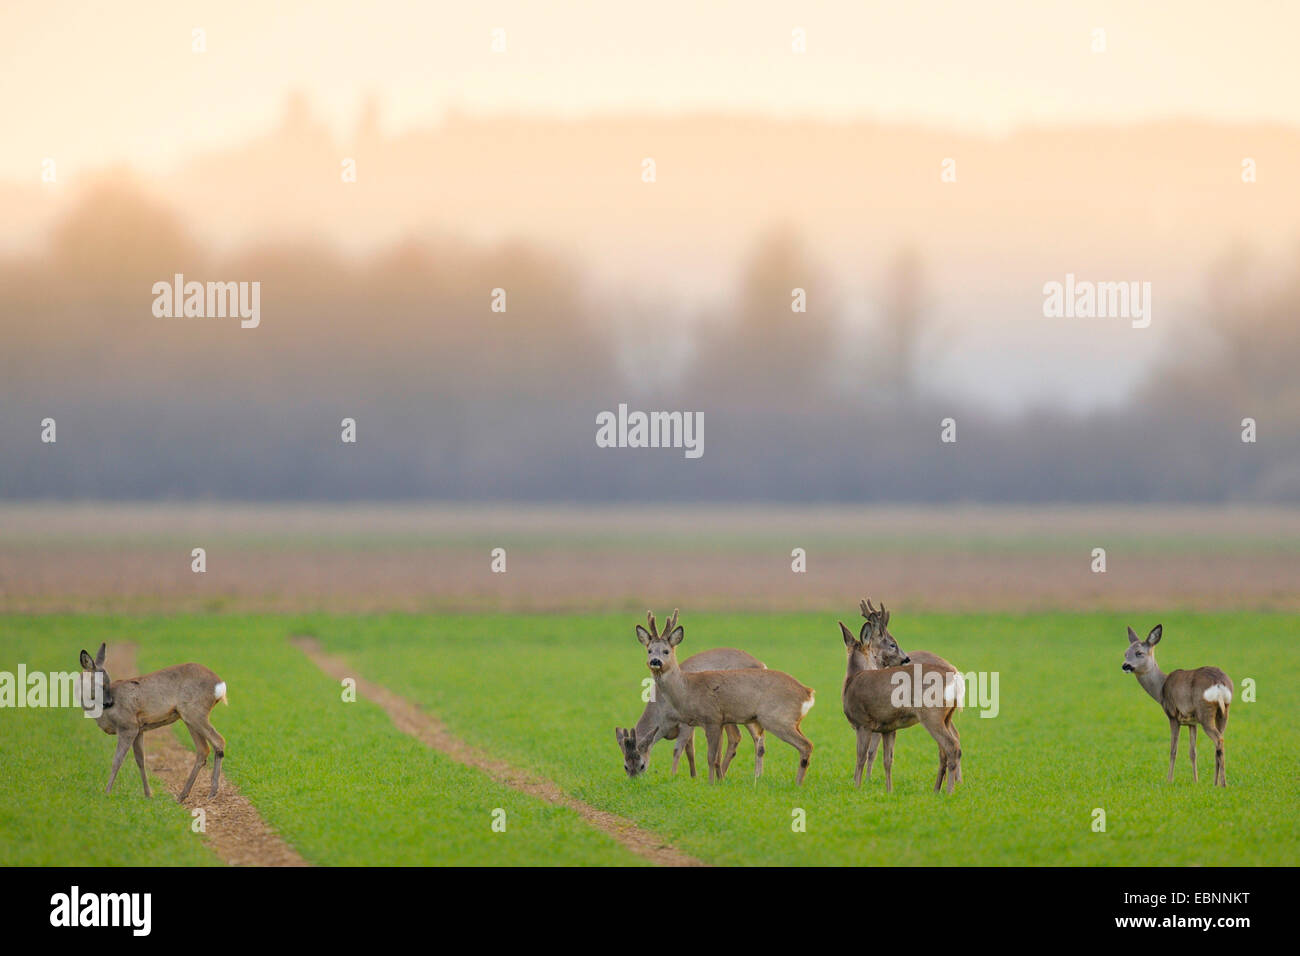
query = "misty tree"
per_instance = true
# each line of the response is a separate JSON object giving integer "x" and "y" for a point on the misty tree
{"x": 902, "y": 323}
{"x": 764, "y": 347}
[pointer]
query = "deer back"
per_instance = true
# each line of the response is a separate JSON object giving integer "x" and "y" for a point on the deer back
{"x": 926, "y": 659}
{"x": 161, "y": 696}
{"x": 874, "y": 698}
{"x": 1184, "y": 691}
{"x": 659, "y": 713}
{"x": 744, "y": 695}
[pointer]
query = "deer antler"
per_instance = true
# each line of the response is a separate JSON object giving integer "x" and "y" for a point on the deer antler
{"x": 874, "y": 614}
{"x": 650, "y": 619}
{"x": 672, "y": 622}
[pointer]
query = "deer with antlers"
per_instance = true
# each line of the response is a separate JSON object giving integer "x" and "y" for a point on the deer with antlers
{"x": 883, "y": 651}
{"x": 762, "y": 699}
{"x": 659, "y": 720}
{"x": 886, "y": 699}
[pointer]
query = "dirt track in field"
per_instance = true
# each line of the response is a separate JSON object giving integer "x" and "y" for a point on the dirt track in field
{"x": 410, "y": 719}
{"x": 363, "y": 559}
{"x": 235, "y": 831}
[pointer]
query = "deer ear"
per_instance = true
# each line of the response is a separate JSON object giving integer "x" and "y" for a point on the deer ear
{"x": 849, "y": 639}
{"x": 86, "y": 663}
{"x": 1154, "y": 637}
{"x": 99, "y": 658}
{"x": 864, "y": 635}
{"x": 675, "y": 636}
{"x": 1132, "y": 636}
{"x": 642, "y": 635}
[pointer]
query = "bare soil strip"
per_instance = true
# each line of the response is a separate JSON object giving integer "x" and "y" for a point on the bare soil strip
{"x": 235, "y": 831}
{"x": 433, "y": 733}
{"x": 117, "y": 558}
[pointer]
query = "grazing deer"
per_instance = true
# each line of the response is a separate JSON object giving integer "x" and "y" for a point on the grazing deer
{"x": 1188, "y": 698}
{"x": 883, "y": 651}
{"x": 872, "y": 706}
{"x": 659, "y": 720}
{"x": 761, "y": 699}
{"x": 185, "y": 692}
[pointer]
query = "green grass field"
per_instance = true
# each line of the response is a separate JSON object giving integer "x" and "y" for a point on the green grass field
{"x": 341, "y": 784}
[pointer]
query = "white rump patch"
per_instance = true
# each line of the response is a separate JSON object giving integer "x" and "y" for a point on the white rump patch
{"x": 1218, "y": 694}
{"x": 807, "y": 706}
{"x": 219, "y": 692}
{"x": 954, "y": 690}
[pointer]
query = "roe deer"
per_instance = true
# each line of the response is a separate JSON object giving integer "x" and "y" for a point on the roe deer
{"x": 883, "y": 651}
{"x": 659, "y": 720}
{"x": 761, "y": 699}
{"x": 185, "y": 692}
{"x": 881, "y": 701}
{"x": 1188, "y": 698}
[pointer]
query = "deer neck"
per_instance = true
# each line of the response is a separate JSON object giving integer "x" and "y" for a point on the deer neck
{"x": 1153, "y": 682}
{"x": 670, "y": 683}
{"x": 857, "y": 664}
{"x": 647, "y": 727}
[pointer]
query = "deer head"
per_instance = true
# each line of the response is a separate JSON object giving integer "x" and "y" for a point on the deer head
{"x": 634, "y": 762}
{"x": 878, "y": 644}
{"x": 661, "y": 651}
{"x": 94, "y": 680}
{"x": 1140, "y": 656}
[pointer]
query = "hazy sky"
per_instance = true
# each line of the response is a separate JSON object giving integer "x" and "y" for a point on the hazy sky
{"x": 95, "y": 82}
{"x": 89, "y": 84}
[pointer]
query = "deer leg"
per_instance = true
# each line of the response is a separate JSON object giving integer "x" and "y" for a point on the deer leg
{"x": 678, "y": 746}
{"x": 872, "y": 745}
{"x": 760, "y": 747}
{"x": 948, "y": 750}
{"x": 689, "y": 733}
{"x": 1221, "y": 725}
{"x": 1191, "y": 751}
{"x": 125, "y": 739}
{"x": 796, "y": 739}
{"x": 953, "y": 756}
{"x": 219, "y": 749}
{"x": 713, "y": 734}
{"x": 888, "y": 757}
{"x": 733, "y": 744}
{"x": 1220, "y": 769}
{"x": 200, "y": 758}
{"x": 1173, "y": 745}
{"x": 952, "y": 729}
{"x": 138, "y": 746}
{"x": 865, "y": 740}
